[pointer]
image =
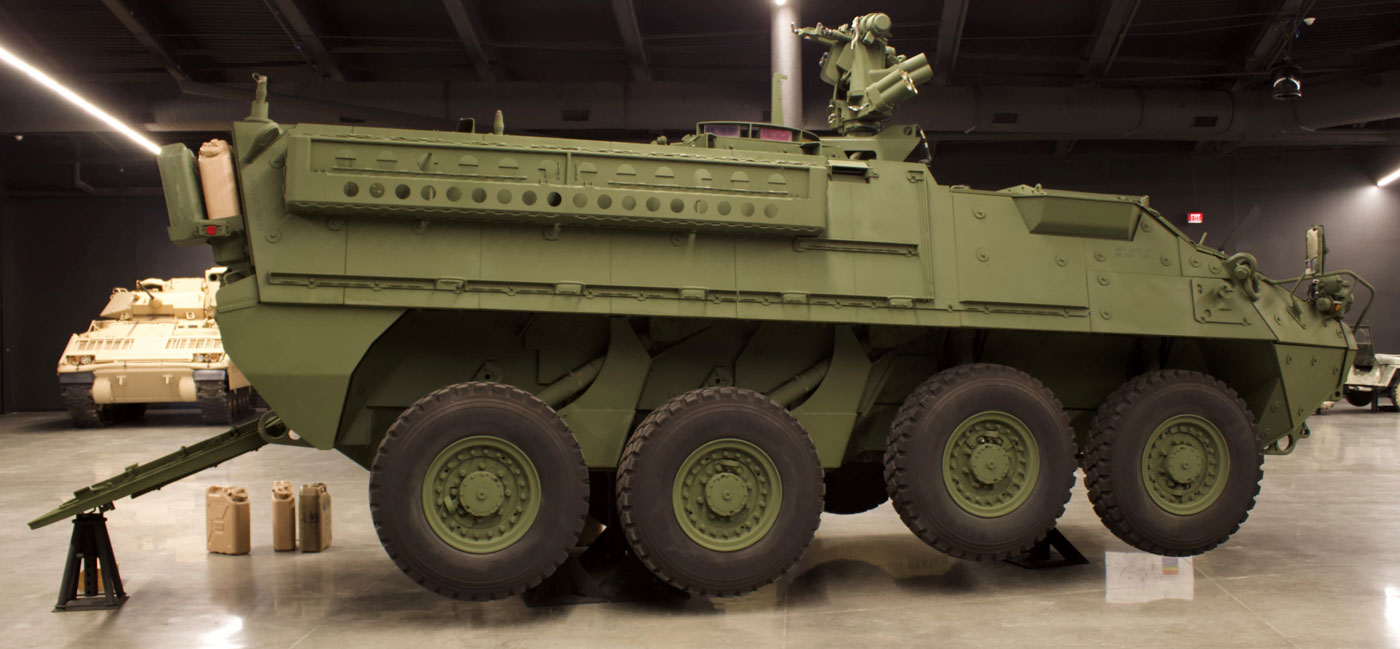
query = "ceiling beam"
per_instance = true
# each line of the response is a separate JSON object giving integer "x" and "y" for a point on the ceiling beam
{"x": 142, "y": 32}
{"x": 296, "y": 17}
{"x": 626, "y": 13}
{"x": 950, "y": 29}
{"x": 1114, "y": 20}
{"x": 1273, "y": 40}
{"x": 467, "y": 21}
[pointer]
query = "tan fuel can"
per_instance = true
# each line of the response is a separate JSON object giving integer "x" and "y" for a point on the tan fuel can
{"x": 227, "y": 520}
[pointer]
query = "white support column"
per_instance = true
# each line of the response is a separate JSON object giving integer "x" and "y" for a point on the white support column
{"x": 786, "y": 50}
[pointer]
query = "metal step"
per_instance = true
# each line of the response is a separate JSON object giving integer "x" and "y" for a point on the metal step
{"x": 138, "y": 479}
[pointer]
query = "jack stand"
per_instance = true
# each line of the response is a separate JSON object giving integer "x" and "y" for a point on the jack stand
{"x": 605, "y": 572}
{"x": 1039, "y": 555}
{"x": 90, "y": 559}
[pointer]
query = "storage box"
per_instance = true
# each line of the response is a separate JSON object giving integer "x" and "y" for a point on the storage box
{"x": 315, "y": 517}
{"x": 227, "y": 526}
{"x": 284, "y": 516}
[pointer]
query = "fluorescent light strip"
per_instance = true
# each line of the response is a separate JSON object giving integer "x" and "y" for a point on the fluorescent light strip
{"x": 48, "y": 82}
{"x": 1388, "y": 179}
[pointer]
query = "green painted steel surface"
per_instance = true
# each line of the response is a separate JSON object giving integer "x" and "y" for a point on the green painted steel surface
{"x": 481, "y": 494}
{"x": 727, "y": 494}
{"x": 1185, "y": 464}
{"x": 990, "y": 464}
{"x": 371, "y": 266}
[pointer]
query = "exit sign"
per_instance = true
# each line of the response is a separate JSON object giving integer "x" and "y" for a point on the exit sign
{"x": 1195, "y": 217}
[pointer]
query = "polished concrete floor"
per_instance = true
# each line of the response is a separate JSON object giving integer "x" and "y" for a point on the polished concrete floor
{"x": 1316, "y": 565}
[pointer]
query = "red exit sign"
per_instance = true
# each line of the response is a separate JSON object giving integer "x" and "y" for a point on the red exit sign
{"x": 1195, "y": 217}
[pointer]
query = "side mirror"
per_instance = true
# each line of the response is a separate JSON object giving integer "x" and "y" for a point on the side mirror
{"x": 1316, "y": 252}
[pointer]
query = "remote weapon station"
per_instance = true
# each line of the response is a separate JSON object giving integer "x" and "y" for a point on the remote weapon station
{"x": 706, "y": 343}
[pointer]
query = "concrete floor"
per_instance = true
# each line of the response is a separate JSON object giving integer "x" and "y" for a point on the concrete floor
{"x": 1316, "y": 565}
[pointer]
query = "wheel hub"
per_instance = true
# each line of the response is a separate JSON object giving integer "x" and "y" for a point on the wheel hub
{"x": 727, "y": 494}
{"x": 990, "y": 464}
{"x": 1185, "y": 464}
{"x": 481, "y": 494}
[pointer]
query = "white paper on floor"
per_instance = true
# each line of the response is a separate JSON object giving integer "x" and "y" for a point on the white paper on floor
{"x": 1137, "y": 577}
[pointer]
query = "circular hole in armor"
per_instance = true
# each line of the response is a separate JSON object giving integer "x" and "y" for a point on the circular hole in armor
{"x": 604, "y": 201}
{"x": 554, "y": 199}
{"x": 454, "y": 194}
{"x": 771, "y": 210}
{"x": 747, "y": 209}
{"x": 653, "y": 203}
{"x": 376, "y": 190}
{"x": 401, "y": 191}
{"x": 428, "y": 192}
{"x": 677, "y": 205}
{"x": 628, "y": 202}
{"x": 701, "y": 207}
{"x": 723, "y": 208}
{"x": 351, "y": 189}
{"x": 479, "y": 195}
{"x": 503, "y": 196}
{"x": 580, "y": 200}
{"x": 528, "y": 198}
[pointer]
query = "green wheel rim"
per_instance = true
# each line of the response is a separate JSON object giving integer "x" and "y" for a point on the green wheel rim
{"x": 1185, "y": 464}
{"x": 481, "y": 494}
{"x": 990, "y": 464}
{"x": 727, "y": 495}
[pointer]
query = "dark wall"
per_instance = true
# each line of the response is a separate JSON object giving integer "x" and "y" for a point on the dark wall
{"x": 59, "y": 259}
{"x": 1288, "y": 193}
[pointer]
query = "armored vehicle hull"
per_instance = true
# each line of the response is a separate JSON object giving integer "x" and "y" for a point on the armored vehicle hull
{"x": 156, "y": 344}
{"x": 706, "y": 343}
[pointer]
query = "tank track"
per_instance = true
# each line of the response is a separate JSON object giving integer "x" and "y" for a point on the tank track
{"x": 218, "y": 405}
{"x": 85, "y": 412}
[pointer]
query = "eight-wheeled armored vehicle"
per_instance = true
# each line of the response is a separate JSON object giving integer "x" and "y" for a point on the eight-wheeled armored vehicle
{"x": 709, "y": 341}
{"x": 158, "y": 343}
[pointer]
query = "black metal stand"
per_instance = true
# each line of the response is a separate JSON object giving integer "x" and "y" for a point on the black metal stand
{"x": 606, "y": 572}
{"x": 90, "y": 559}
{"x": 1039, "y": 555}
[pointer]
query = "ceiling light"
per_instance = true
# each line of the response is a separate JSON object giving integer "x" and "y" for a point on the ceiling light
{"x": 48, "y": 82}
{"x": 1389, "y": 178}
{"x": 1288, "y": 86}
{"x": 780, "y": 2}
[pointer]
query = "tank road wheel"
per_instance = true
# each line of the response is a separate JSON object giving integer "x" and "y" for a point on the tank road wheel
{"x": 478, "y": 491}
{"x": 980, "y": 461}
{"x": 854, "y": 488}
{"x": 216, "y": 404}
{"x": 719, "y": 491}
{"x": 1173, "y": 463}
{"x": 1358, "y": 398}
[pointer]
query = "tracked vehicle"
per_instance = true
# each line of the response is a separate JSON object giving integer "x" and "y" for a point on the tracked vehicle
{"x": 707, "y": 342}
{"x": 157, "y": 343}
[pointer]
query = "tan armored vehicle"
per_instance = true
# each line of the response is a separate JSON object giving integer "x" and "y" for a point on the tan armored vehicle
{"x": 155, "y": 344}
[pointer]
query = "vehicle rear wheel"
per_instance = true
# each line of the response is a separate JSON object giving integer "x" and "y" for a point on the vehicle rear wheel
{"x": 719, "y": 491}
{"x": 1395, "y": 390}
{"x": 980, "y": 461}
{"x": 1173, "y": 462}
{"x": 855, "y": 487}
{"x": 1358, "y": 398}
{"x": 478, "y": 491}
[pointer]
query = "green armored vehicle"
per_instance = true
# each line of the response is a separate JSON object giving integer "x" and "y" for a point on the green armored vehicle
{"x": 708, "y": 342}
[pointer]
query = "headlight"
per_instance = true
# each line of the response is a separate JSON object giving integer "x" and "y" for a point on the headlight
{"x": 211, "y": 357}
{"x": 78, "y": 360}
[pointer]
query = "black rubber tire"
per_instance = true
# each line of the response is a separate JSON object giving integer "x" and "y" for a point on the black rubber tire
{"x": 647, "y": 473}
{"x": 914, "y": 460}
{"x": 1117, "y": 438}
{"x": 1358, "y": 398}
{"x": 414, "y": 441}
{"x": 855, "y": 487}
{"x": 82, "y": 410}
{"x": 1394, "y": 392}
